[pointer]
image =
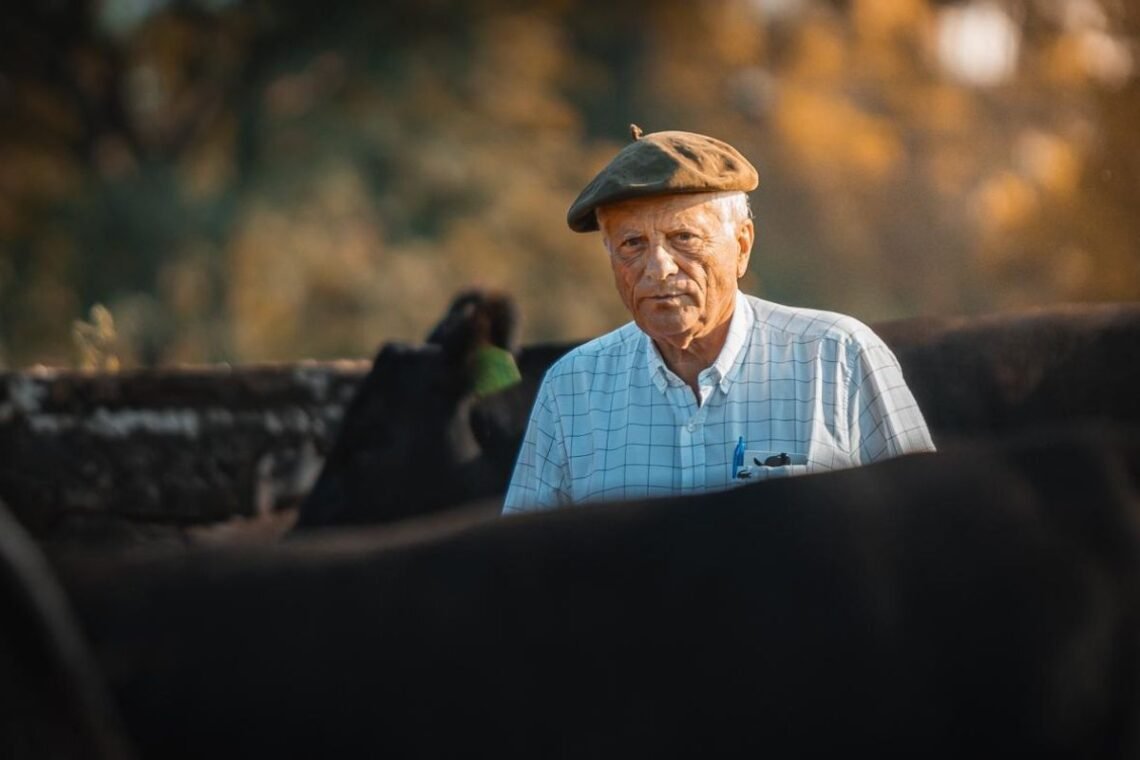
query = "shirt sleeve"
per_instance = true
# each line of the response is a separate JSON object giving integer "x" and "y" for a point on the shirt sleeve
{"x": 883, "y": 416}
{"x": 541, "y": 472}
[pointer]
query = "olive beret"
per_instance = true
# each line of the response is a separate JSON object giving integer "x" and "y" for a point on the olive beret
{"x": 662, "y": 163}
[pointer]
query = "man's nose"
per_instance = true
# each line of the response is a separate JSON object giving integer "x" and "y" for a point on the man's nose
{"x": 659, "y": 264}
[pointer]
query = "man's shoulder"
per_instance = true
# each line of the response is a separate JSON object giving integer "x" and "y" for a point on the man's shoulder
{"x": 615, "y": 348}
{"x": 798, "y": 324}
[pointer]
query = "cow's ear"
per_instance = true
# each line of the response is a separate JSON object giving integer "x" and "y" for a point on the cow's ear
{"x": 454, "y": 325}
{"x": 503, "y": 313}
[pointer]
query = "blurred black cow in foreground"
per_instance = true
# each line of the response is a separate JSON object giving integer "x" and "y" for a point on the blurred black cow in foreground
{"x": 54, "y": 702}
{"x": 979, "y": 601}
{"x": 416, "y": 439}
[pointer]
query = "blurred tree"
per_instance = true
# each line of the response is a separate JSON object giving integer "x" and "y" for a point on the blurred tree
{"x": 246, "y": 180}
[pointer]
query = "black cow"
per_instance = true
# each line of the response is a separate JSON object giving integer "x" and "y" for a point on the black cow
{"x": 1001, "y": 372}
{"x": 54, "y": 702}
{"x": 971, "y": 377}
{"x": 982, "y": 600}
{"x": 406, "y": 445}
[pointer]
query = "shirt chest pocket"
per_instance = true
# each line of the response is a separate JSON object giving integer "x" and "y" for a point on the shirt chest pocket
{"x": 782, "y": 471}
{"x": 765, "y": 465}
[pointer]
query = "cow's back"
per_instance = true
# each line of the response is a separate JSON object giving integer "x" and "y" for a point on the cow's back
{"x": 975, "y": 600}
{"x": 998, "y": 373}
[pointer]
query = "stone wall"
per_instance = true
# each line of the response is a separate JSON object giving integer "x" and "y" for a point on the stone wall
{"x": 84, "y": 452}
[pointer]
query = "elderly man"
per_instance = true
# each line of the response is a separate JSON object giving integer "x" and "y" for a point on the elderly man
{"x": 707, "y": 387}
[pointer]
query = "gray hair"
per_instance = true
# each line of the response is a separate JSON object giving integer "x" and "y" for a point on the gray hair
{"x": 734, "y": 209}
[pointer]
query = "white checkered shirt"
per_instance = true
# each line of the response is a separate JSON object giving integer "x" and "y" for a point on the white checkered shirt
{"x": 611, "y": 421}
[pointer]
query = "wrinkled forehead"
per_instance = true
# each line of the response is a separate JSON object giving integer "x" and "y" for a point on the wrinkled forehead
{"x": 693, "y": 208}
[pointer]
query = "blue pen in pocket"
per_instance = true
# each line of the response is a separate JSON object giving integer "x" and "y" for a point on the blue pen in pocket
{"x": 738, "y": 457}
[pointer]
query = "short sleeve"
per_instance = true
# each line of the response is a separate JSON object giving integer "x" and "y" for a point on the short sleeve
{"x": 540, "y": 476}
{"x": 883, "y": 416}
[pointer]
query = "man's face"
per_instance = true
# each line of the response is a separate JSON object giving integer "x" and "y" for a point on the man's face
{"x": 676, "y": 260}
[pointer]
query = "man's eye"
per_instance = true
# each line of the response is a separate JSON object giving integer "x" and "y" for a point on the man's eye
{"x": 631, "y": 244}
{"x": 686, "y": 239}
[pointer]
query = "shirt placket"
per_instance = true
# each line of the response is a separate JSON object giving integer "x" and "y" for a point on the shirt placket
{"x": 691, "y": 431}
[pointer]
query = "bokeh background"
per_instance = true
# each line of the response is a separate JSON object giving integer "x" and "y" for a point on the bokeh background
{"x": 239, "y": 181}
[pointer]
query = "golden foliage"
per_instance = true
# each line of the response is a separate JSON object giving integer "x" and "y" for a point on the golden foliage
{"x": 96, "y": 342}
{"x": 247, "y": 184}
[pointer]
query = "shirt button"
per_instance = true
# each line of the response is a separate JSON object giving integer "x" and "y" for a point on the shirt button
{"x": 692, "y": 426}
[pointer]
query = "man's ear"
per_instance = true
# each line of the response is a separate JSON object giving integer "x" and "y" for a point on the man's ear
{"x": 745, "y": 235}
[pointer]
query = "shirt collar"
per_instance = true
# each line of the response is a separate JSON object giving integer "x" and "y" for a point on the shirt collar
{"x": 738, "y": 330}
{"x": 658, "y": 372}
